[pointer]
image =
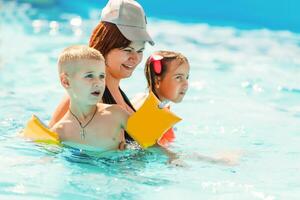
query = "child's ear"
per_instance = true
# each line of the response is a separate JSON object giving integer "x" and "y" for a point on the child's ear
{"x": 64, "y": 80}
{"x": 157, "y": 81}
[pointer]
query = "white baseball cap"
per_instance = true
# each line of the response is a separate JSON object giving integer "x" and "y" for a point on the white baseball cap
{"x": 129, "y": 17}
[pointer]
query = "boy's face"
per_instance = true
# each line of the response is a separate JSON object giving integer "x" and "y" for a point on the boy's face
{"x": 86, "y": 81}
{"x": 174, "y": 85}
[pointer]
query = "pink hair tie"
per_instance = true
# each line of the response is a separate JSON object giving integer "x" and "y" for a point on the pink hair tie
{"x": 156, "y": 60}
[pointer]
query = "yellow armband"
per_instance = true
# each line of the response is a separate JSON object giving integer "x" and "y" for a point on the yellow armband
{"x": 150, "y": 122}
{"x": 38, "y": 132}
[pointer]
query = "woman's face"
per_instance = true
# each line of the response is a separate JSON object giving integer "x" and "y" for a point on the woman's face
{"x": 120, "y": 63}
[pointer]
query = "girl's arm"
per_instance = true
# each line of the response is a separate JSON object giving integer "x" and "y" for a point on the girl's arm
{"x": 60, "y": 111}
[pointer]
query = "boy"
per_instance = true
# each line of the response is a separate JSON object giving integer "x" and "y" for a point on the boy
{"x": 88, "y": 124}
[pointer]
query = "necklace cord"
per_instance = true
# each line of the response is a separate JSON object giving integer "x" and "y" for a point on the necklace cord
{"x": 80, "y": 124}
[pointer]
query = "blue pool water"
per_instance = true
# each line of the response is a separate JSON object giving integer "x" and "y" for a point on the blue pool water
{"x": 243, "y": 101}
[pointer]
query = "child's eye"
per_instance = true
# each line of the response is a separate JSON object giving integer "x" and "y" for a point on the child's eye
{"x": 102, "y": 76}
{"x": 89, "y": 76}
{"x": 178, "y": 78}
{"x": 140, "y": 51}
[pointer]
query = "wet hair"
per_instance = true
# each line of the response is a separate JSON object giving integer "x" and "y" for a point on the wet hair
{"x": 167, "y": 58}
{"x": 106, "y": 36}
{"x": 76, "y": 53}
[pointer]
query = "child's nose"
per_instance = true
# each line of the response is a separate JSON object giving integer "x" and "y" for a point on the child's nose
{"x": 99, "y": 81}
{"x": 186, "y": 83}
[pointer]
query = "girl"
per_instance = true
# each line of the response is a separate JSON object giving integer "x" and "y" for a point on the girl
{"x": 167, "y": 75}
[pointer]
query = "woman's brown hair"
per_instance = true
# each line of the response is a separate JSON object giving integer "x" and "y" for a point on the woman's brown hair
{"x": 106, "y": 36}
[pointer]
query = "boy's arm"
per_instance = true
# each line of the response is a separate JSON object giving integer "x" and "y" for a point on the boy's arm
{"x": 60, "y": 111}
{"x": 123, "y": 116}
{"x": 172, "y": 156}
{"x": 59, "y": 129}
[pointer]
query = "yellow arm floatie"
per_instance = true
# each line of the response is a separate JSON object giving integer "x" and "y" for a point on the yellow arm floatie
{"x": 145, "y": 126}
{"x": 150, "y": 122}
{"x": 38, "y": 132}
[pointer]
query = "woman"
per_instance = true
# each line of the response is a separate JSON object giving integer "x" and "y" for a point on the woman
{"x": 120, "y": 37}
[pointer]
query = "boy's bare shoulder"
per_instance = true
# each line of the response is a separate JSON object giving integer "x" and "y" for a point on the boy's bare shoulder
{"x": 113, "y": 109}
{"x": 60, "y": 127}
{"x": 110, "y": 107}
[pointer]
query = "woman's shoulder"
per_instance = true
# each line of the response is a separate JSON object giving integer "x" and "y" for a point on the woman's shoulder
{"x": 138, "y": 100}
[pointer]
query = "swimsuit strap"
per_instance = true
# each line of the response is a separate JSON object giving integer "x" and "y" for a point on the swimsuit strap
{"x": 127, "y": 101}
{"x": 109, "y": 99}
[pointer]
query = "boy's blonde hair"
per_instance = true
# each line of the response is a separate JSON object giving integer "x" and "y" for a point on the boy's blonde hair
{"x": 76, "y": 53}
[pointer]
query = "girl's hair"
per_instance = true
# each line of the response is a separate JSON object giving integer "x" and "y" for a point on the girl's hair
{"x": 106, "y": 36}
{"x": 166, "y": 58}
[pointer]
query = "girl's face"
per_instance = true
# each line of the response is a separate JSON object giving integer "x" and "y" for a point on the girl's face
{"x": 120, "y": 63}
{"x": 174, "y": 84}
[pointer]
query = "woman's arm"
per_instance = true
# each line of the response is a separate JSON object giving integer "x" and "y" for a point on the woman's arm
{"x": 60, "y": 111}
